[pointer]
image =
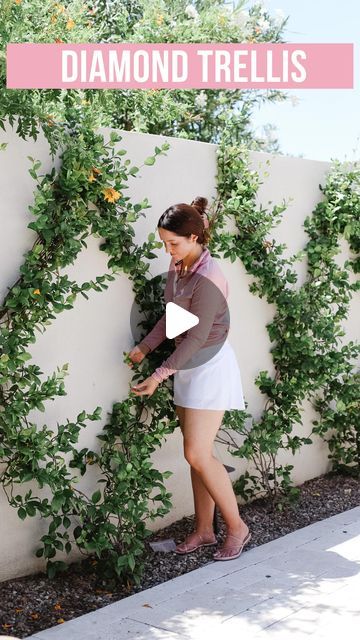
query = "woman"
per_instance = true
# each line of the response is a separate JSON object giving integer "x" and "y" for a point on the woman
{"x": 201, "y": 393}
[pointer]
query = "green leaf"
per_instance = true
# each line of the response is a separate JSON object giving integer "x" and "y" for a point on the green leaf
{"x": 57, "y": 502}
{"x": 115, "y": 137}
{"x": 28, "y": 476}
{"x": 24, "y": 356}
{"x": 96, "y": 497}
{"x": 340, "y": 405}
{"x": 22, "y": 513}
{"x": 150, "y": 160}
{"x": 30, "y": 510}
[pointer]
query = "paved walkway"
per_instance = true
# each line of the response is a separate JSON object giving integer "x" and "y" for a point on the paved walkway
{"x": 303, "y": 585}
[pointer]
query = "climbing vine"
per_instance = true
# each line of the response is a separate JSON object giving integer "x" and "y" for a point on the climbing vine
{"x": 306, "y": 330}
{"x": 87, "y": 196}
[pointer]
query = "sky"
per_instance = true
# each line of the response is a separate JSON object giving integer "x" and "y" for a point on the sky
{"x": 326, "y": 123}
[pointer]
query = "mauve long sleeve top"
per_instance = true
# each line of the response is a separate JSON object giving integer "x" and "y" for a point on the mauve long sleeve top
{"x": 195, "y": 292}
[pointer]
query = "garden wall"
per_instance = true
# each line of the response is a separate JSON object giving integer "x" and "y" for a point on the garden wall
{"x": 93, "y": 336}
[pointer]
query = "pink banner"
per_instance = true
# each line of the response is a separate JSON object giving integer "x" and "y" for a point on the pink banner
{"x": 180, "y": 66}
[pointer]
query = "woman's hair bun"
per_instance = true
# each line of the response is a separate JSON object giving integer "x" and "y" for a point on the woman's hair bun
{"x": 200, "y": 204}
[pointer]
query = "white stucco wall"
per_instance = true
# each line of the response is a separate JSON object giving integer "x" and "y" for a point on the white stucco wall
{"x": 92, "y": 337}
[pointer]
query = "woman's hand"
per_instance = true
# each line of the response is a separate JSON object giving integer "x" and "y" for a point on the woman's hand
{"x": 136, "y": 355}
{"x": 146, "y": 387}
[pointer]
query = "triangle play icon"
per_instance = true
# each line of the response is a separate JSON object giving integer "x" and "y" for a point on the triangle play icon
{"x": 178, "y": 320}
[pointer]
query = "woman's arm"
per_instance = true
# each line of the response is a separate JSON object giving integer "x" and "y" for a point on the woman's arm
{"x": 156, "y": 336}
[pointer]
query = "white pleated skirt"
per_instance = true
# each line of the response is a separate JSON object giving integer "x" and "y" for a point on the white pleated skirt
{"x": 216, "y": 384}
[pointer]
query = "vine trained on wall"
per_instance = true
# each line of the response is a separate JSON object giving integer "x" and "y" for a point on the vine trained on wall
{"x": 86, "y": 197}
{"x": 306, "y": 330}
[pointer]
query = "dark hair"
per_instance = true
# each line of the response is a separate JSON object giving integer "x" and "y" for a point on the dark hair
{"x": 185, "y": 219}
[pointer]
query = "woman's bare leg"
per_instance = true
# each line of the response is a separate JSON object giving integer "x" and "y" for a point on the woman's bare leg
{"x": 204, "y": 505}
{"x": 200, "y": 428}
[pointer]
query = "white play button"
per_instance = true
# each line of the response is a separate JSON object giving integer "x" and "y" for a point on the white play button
{"x": 178, "y": 320}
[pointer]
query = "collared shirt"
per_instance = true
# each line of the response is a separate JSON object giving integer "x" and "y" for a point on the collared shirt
{"x": 195, "y": 292}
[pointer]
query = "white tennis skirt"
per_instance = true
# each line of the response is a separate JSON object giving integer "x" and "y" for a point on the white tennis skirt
{"x": 216, "y": 384}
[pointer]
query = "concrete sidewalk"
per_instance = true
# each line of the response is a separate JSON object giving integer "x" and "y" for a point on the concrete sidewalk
{"x": 306, "y": 584}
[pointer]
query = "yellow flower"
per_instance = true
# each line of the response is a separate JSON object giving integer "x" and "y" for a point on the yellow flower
{"x": 60, "y": 621}
{"x": 53, "y": 19}
{"x": 92, "y": 177}
{"x": 111, "y": 195}
{"x": 36, "y": 292}
{"x": 159, "y": 19}
{"x": 70, "y": 24}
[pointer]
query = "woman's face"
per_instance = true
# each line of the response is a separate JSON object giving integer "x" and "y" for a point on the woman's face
{"x": 178, "y": 246}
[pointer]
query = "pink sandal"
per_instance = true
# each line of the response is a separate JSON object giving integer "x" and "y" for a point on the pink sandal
{"x": 189, "y": 548}
{"x": 238, "y": 549}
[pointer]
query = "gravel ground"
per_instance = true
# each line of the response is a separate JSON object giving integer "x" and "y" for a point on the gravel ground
{"x": 34, "y": 603}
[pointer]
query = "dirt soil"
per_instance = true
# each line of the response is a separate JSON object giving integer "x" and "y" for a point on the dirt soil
{"x": 33, "y": 603}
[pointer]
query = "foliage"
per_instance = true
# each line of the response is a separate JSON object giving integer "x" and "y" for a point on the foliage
{"x": 86, "y": 196}
{"x": 193, "y": 114}
{"x": 306, "y": 329}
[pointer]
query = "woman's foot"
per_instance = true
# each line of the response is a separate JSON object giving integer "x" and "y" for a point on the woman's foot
{"x": 195, "y": 541}
{"x": 233, "y": 545}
